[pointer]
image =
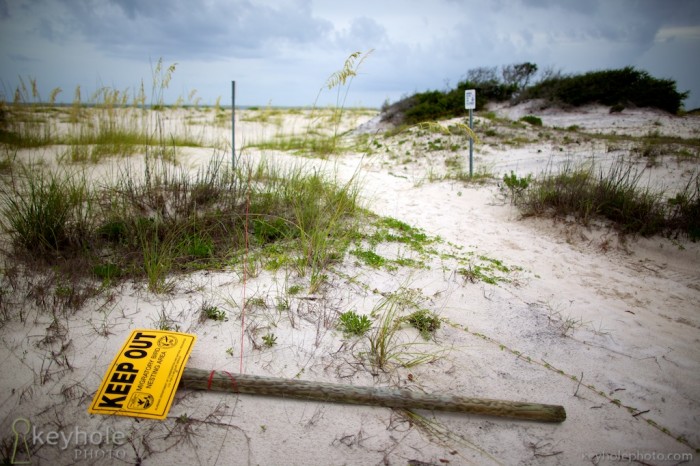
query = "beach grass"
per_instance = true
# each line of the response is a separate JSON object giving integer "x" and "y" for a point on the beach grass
{"x": 616, "y": 194}
{"x": 164, "y": 219}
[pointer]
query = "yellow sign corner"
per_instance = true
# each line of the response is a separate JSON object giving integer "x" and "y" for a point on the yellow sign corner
{"x": 143, "y": 378}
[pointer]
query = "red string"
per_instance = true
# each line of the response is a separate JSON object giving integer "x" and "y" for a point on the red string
{"x": 245, "y": 273}
{"x": 234, "y": 385}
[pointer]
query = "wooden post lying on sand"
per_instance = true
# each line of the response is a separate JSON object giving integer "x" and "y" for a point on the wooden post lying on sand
{"x": 389, "y": 398}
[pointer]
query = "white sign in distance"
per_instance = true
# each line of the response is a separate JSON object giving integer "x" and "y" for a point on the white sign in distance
{"x": 470, "y": 99}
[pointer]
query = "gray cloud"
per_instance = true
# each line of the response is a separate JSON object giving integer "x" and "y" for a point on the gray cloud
{"x": 635, "y": 21}
{"x": 285, "y": 49}
{"x": 588, "y": 7}
{"x": 364, "y": 33}
{"x": 134, "y": 8}
{"x": 22, "y": 58}
{"x": 186, "y": 29}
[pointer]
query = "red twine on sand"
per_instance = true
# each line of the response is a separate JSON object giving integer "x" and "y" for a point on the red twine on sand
{"x": 245, "y": 273}
{"x": 234, "y": 385}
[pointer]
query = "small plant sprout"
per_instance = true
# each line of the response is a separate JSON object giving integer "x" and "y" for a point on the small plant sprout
{"x": 283, "y": 303}
{"x": 258, "y": 302}
{"x": 425, "y": 321}
{"x": 269, "y": 340}
{"x": 213, "y": 313}
{"x": 165, "y": 321}
{"x": 353, "y": 324}
{"x": 516, "y": 186}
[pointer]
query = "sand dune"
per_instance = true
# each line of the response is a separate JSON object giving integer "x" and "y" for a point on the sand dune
{"x": 607, "y": 327}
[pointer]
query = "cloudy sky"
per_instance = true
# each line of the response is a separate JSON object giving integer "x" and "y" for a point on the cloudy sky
{"x": 282, "y": 51}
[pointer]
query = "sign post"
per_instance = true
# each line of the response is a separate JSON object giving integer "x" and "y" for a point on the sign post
{"x": 470, "y": 104}
{"x": 150, "y": 366}
{"x": 233, "y": 126}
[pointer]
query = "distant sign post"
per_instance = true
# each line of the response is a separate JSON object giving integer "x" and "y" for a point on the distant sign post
{"x": 470, "y": 104}
{"x": 233, "y": 126}
{"x": 470, "y": 99}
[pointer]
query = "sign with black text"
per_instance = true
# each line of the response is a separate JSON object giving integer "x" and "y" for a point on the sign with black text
{"x": 143, "y": 378}
{"x": 470, "y": 99}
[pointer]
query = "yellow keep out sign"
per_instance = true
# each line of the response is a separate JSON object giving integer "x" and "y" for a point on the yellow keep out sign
{"x": 143, "y": 378}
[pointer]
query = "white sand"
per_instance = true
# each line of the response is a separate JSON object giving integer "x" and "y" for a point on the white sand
{"x": 622, "y": 316}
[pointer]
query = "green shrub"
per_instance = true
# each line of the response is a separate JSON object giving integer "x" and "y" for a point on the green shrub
{"x": 435, "y": 105}
{"x": 516, "y": 186}
{"x": 532, "y": 119}
{"x": 616, "y": 87}
{"x": 113, "y": 230}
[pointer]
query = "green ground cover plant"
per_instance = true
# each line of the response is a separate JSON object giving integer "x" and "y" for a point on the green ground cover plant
{"x": 414, "y": 245}
{"x": 370, "y": 258}
{"x": 425, "y": 321}
{"x": 532, "y": 119}
{"x": 212, "y": 312}
{"x": 353, "y": 324}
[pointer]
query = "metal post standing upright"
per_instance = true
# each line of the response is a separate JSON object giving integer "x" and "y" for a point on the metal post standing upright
{"x": 471, "y": 145}
{"x": 233, "y": 125}
{"x": 470, "y": 104}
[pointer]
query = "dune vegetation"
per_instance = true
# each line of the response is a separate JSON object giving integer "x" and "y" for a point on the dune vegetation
{"x": 626, "y": 87}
